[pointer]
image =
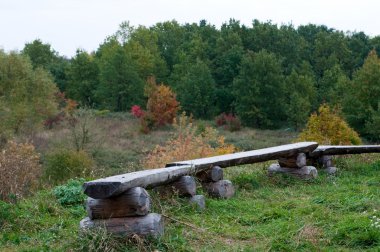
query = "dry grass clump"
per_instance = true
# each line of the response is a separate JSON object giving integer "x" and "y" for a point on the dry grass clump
{"x": 187, "y": 144}
{"x": 19, "y": 170}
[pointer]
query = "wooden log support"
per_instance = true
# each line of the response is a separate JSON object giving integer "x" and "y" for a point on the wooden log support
{"x": 297, "y": 161}
{"x": 144, "y": 226}
{"x": 199, "y": 201}
{"x": 185, "y": 186}
{"x": 212, "y": 175}
{"x": 306, "y": 172}
{"x": 325, "y": 161}
{"x": 330, "y": 170}
{"x": 222, "y": 189}
{"x": 115, "y": 185}
{"x": 133, "y": 202}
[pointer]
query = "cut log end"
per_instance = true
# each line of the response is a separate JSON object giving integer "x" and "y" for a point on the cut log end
{"x": 297, "y": 161}
{"x": 221, "y": 189}
{"x": 133, "y": 202}
{"x": 331, "y": 170}
{"x": 144, "y": 226}
{"x": 306, "y": 172}
{"x": 199, "y": 201}
{"x": 102, "y": 190}
{"x": 212, "y": 175}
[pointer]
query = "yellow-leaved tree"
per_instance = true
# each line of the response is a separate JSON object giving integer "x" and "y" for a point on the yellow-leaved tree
{"x": 327, "y": 127}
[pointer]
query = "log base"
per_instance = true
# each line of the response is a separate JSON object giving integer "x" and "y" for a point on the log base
{"x": 330, "y": 170}
{"x": 144, "y": 226}
{"x": 306, "y": 172}
{"x": 222, "y": 189}
{"x": 199, "y": 201}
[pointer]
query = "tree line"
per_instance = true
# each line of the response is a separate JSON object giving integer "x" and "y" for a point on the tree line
{"x": 269, "y": 75}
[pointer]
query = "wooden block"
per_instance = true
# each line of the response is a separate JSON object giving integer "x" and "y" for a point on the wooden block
{"x": 144, "y": 226}
{"x": 185, "y": 186}
{"x": 297, "y": 161}
{"x": 325, "y": 161}
{"x": 221, "y": 189}
{"x": 330, "y": 170}
{"x": 199, "y": 201}
{"x": 212, "y": 175}
{"x": 306, "y": 172}
{"x": 133, "y": 202}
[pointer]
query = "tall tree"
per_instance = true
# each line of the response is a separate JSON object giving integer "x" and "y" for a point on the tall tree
{"x": 259, "y": 90}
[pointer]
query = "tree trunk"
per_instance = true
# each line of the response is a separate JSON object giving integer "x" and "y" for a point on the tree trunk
{"x": 148, "y": 225}
{"x": 135, "y": 201}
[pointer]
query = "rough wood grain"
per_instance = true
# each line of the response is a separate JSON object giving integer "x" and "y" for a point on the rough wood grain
{"x": 133, "y": 202}
{"x": 148, "y": 225}
{"x": 249, "y": 157}
{"x": 115, "y": 185}
{"x": 306, "y": 172}
{"x": 297, "y": 161}
{"x": 221, "y": 189}
{"x": 185, "y": 186}
{"x": 212, "y": 175}
{"x": 199, "y": 201}
{"x": 325, "y": 161}
{"x": 344, "y": 149}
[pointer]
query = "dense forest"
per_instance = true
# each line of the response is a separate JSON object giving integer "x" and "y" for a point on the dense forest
{"x": 271, "y": 76}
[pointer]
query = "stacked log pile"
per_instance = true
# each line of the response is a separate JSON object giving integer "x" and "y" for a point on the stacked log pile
{"x": 214, "y": 184}
{"x": 295, "y": 166}
{"x": 126, "y": 214}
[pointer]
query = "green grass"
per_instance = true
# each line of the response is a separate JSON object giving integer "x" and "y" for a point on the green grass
{"x": 267, "y": 214}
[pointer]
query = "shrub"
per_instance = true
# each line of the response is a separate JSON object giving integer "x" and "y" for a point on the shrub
{"x": 71, "y": 193}
{"x": 327, "y": 127}
{"x": 162, "y": 103}
{"x": 229, "y": 121}
{"x": 66, "y": 108}
{"x": 136, "y": 111}
{"x": 147, "y": 123}
{"x": 19, "y": 170}
{"x": 187, "y": 144}
{"x": 65, "y": 164}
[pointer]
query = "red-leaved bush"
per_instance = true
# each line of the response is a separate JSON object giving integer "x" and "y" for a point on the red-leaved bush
{"x": 229, "y": 121}
{"x": 137, "y": 111}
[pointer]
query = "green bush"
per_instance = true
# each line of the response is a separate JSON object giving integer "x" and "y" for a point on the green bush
{"x": 65, "y": 164}
{"x": 71, "y": 193}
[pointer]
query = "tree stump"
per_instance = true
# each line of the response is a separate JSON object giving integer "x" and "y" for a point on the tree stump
{"x": 199, "y": 201}
{"x": 144, "y": 226}
{"x": 298, "y": 161}
{"x": 135, "y": 201}
{"x": 222, "y": 189}
{"x": 212, "y": 175}
{"x": 306, "y": 172}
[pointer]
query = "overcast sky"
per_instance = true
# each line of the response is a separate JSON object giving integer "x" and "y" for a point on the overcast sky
{"x": 71, "y": 24}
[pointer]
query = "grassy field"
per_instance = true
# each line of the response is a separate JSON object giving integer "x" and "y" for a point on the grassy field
{"x": 267, "y": 214}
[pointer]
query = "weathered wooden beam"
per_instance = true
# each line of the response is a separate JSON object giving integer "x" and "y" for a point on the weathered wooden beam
{"x": 249, "y": 157}
{"x": 115, "y": 185}
{"x": 211, "y": 175}
{"x": 133, "y": 202}
{"x": 148, "y": 225}
{"x": 306, "y": 172}
{"x": 343, "y": 150}
{"x": 297, "y": 161}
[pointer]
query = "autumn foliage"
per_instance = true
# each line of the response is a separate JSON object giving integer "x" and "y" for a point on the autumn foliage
{"x": 19, "y": 170}
{"x": 188, "y": 144}
{"x": 327, "y": 127}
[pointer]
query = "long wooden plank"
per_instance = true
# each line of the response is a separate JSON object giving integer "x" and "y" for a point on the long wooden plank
{"x": 115, "y": 185}
{"x": 249, "y": 157}
{"x": 344, "y": 149}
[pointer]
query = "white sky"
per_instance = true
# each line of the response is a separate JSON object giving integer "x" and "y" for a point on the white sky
{"x": 71, "y": 24}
